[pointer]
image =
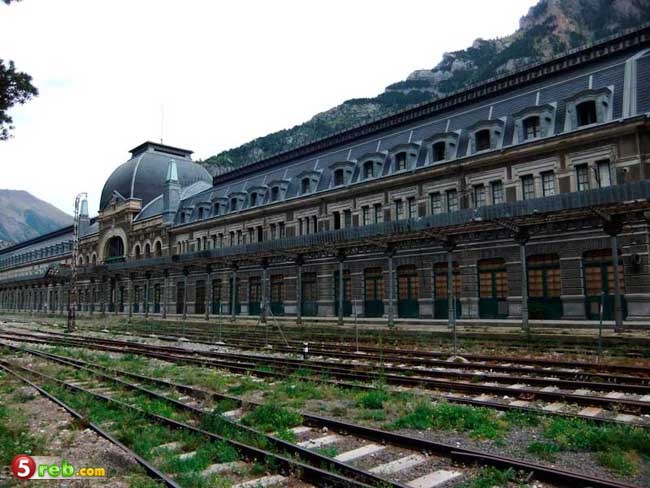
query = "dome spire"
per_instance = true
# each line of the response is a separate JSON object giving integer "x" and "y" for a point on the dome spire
{"x": 172, "y": 171}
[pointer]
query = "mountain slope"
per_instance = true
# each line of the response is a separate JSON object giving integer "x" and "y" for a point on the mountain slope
{"x": 23, "y": 216}
{"x": 549, "y": 28}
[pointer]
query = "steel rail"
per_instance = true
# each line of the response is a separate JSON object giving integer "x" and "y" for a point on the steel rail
{"x": 550, "y": 377}
{"x": 238, "y": 364}
{"x": 306, "y": 472}
{"x": 265, "y": 373}
{"x": 242, "y": 335}
{"x": 151, "y": 470}
{"x": 542, "y": 472}
{"x": 414, "y": 359}
{"x": 313, "y": 457}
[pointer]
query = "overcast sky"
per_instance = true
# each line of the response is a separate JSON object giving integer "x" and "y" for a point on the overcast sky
{"x": 225, "y": 73}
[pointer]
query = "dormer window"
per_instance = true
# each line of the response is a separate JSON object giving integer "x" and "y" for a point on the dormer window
{"x": 482, "y": 140}
{"x": 441, "y": 147}
{"x": 253, "y": 199}
{"x": 200, "y": 213}
{"x": 438, "y": 151}
{"x": 341, "y": 172}
{"x": 305, "y": 186}
{"x": 532, "y": 129}
{"x": 404, "y": 156}
{"x": 370, "y": 165}
{"x": 485, "y": 135}
{"x": 233, "y": 204}
{"x": 400, "y": 161}
{"x": 339, "y": 177}
{"x": 368, "y": 169}
{"x": 534, "y": 122}
{"x": 588, "y": 107}
{"x": 278, "y": 190}
{"x": 586, "y": 113}
{"x": 182, "y": 217}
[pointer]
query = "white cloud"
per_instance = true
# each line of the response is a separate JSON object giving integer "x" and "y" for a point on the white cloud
{"x": 225, "y": 72}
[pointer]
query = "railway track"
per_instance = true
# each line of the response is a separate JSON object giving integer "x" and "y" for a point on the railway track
{"x": 612, "y": 406}
{"x": 242, "y": 338}
{"x": 396, "y": 458}
{"x": 149, "y": 468}
{"x": 183, "y": 435}
{"x": 441, "y": 340}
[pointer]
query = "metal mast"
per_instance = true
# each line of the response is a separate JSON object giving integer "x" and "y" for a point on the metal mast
{"x": 72, "y": 296}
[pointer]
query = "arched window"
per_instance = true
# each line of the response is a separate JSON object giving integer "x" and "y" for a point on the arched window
{"x": 158, "y": 249}
{"x": 482, "y": 140}
{"x": 147, "y": 250}
{"x": 80, "y": 261}
{"x": 114, "y": 249}
{"x": 438, "y": 151}
{"x": 137, "y": 251}
{"x": 586, "y": 113}
{"x": 532, "y": 129}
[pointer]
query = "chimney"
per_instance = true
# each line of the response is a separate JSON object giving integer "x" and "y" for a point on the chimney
{"x": 171, "y": 194}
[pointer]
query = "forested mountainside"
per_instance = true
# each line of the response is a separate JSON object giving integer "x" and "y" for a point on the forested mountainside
{"x": 550, "y": 28}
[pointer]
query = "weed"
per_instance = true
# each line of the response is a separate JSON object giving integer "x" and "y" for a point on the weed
{"x": 622, "y": 463}
{"x": 491, "y": 477}
{"x": 327, "y": 451}
{"x": 373, "y": 400}
{"x": 286, "y": 435}
{"x": 544, "y": 450}
{"x": 480, "y": 422}
{"x": 272, "y": 417}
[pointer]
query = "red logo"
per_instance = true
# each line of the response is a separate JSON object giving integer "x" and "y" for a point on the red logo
{"x": 23, "y": 466}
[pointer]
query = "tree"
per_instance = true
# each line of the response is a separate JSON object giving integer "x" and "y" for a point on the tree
{"x": 15, "y": 87}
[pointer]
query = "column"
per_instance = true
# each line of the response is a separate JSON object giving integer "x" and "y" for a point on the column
{"x": 341, "y": 258}
{"x": 102, "y": 296}
{"x": 390, "y": 252}
{"x": 263, "y": 311}
{"x": 522, "y": 238}
{"x": 613, "y": 227}
{"x": 299, "y": 263}
{"x": 146, "y": 294}
{"x": 233, "y": 298}
{"x": 61, "y": 289}
{"x": 164, "y": 293}
{"x": 116, "y": 296}
{"x": 208, "y": 291}
{"x": 449, "y": 246}
{"x": 129, "y": 295}
{"x": 185, "y": 273}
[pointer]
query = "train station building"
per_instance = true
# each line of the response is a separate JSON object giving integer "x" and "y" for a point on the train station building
{"x": 525, "y": 196}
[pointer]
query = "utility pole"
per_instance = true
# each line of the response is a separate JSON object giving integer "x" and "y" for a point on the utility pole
{"x": 80, "y": 200}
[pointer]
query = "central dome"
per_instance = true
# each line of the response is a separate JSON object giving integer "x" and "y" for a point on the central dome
{"x": 143, "y": 176}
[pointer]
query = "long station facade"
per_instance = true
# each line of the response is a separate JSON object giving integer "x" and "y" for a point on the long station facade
{"x": 526, "y": 196}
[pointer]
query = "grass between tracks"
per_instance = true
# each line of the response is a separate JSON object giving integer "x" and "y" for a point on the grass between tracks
{"x": 621, "y": 449}
{"x": 14, "y": 435}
